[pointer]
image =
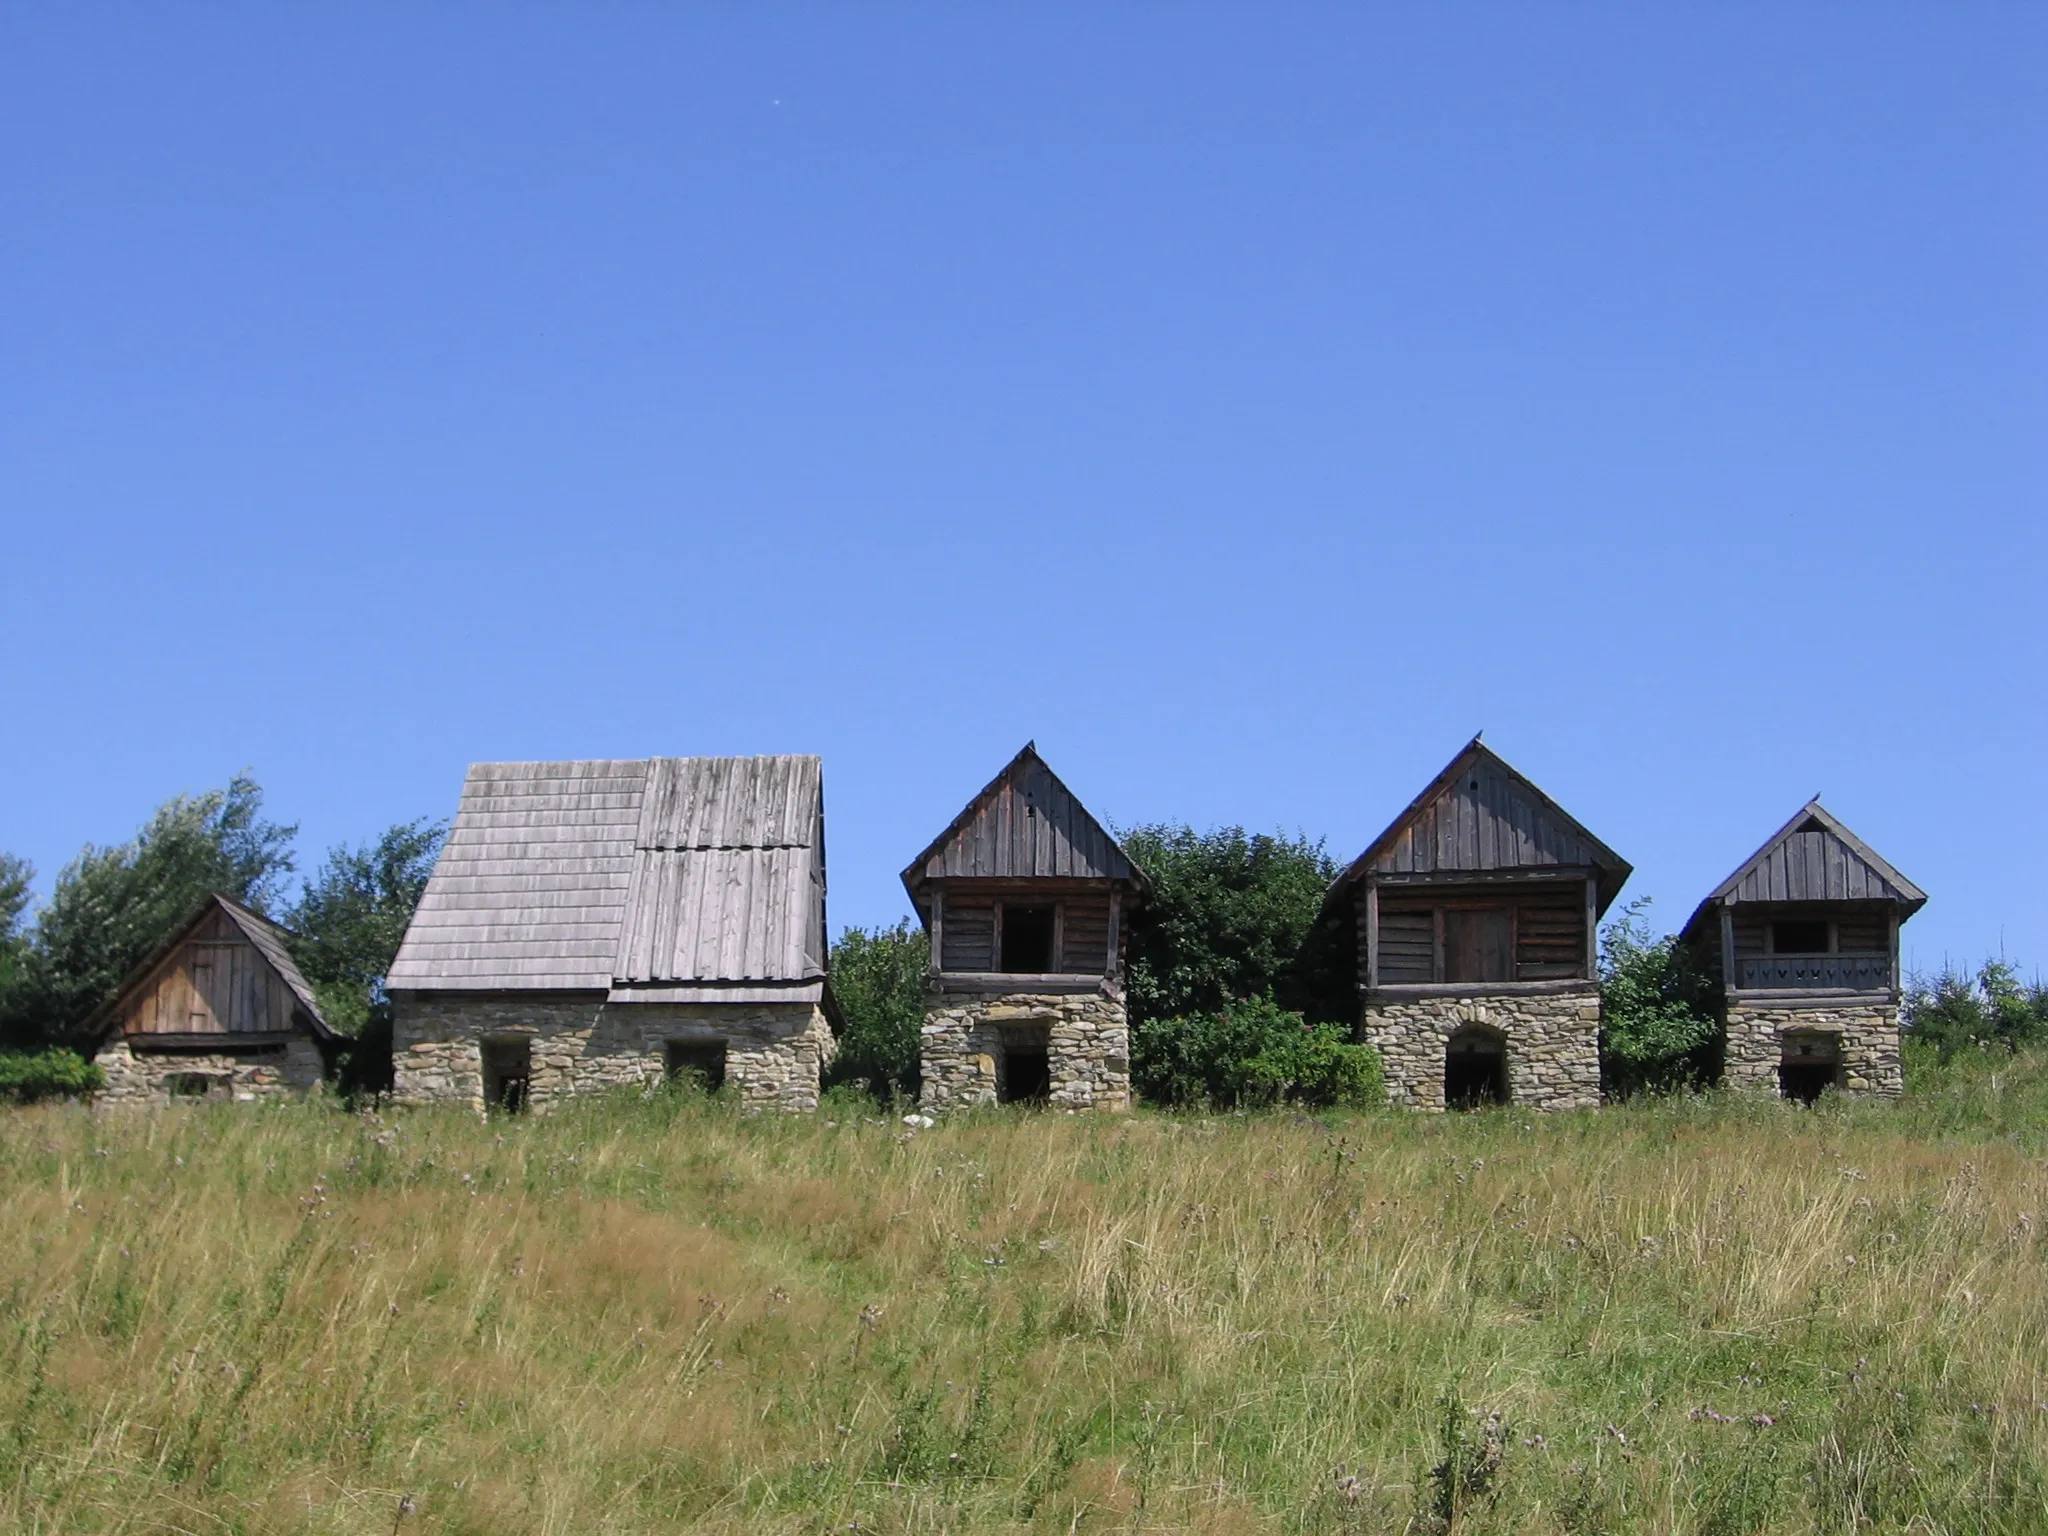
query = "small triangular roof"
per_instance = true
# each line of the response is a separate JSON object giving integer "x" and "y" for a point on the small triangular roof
{"x": 1025, "y": 824}
{"x": 267, "y": 937}
{"x": 1481, "y": 816}
{"x": 1813, "y": 857}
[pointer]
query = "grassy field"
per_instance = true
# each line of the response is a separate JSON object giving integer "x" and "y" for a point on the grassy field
{"x": 641, "y": 1315}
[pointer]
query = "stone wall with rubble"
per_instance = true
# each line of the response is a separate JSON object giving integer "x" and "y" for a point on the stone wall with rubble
{"x": 145, "y": 1077}
{"x": 1087, "y": 1046}
{"x": 1552, "y": 1038}
{"x": 775, "y": 1053}
{"x": 1867, "y": 1033}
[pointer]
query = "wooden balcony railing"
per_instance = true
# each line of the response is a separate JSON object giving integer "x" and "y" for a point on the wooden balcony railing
{"x": 1833, "y": 973}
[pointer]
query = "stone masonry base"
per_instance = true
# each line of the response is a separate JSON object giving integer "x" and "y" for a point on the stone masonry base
{"x": 147, "y": 1077}
{"x": 1867, "y": 1037}
{"x": 1085, "y": 1036}
{"x": 1552, "y": 1040}
{"x": 774, "y": 1052}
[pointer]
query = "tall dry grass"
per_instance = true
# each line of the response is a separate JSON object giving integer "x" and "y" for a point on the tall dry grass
{"x": 642, "y": 1315}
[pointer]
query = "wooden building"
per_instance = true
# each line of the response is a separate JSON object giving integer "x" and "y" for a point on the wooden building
{"x": 1804, "y": 939}
{"x": 1477, "y": 915}
{"x": 1025, "y": 896}
{"x": 219, "y": 1012}
{"x": 597, "y": 924}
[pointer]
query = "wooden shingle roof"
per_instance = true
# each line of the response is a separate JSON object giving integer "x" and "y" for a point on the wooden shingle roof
{"x": 591, "y": 875}
{"x": 1481, "y": 817}
{"x": 1024, "y": 824}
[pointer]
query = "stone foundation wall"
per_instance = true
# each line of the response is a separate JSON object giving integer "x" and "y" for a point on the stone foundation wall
{"x": 1087, "y": 1044}
{"x": 1868, "y": 1033}
{"x": 1553, "y": 1044}
{"x": 774, "y": 1052}
{"x": 144, "y": 1077}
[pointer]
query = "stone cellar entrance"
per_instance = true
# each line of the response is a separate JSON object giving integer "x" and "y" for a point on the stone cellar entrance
{"x": 508, "y": 1074}
{"x": 702, "y": 1061}
{"x": 1811, "y": 1064}
{"x": 1024, "y": 1069}
{"x": 1475, "y": 1068}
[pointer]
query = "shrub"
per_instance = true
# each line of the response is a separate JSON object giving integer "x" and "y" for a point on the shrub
{"x": 1955, "y": 1011}
{"x": 1658, "y": 1030}
{"x": 1249, "y": 1054}
{"x": 27, "y": 1077}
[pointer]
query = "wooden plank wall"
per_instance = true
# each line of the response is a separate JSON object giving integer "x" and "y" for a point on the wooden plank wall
{"x": 1858, "y": 931}
{"x": 1029, "y": 827}
{"x": 1485, "y": 819}
{"x": 1813, "y": 864}
{"x": 1549, "y": 930}
{"x": 968, "y": 936}
{"x": 216, "y": 982}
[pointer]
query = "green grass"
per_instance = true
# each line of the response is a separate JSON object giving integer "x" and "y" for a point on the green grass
{"x": 1709, "y": 1316}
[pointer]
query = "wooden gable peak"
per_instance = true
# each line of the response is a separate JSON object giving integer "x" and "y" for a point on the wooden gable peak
{"x": 1100, "y": 850}
{"x": 1583, "y": 847}
{"x": 1814, "y": 817}
{"x": 265, "y": 937}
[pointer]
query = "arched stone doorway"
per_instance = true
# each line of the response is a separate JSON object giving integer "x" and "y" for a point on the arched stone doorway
{"x": 1475, "y": 1068}
{"x": 1810, "y": 1063}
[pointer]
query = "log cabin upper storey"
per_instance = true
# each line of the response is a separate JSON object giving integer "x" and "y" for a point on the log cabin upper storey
{"x": 1025, "y": 891}
{"x": 1483, "y": 884}
{"x": 1811, "y": 917}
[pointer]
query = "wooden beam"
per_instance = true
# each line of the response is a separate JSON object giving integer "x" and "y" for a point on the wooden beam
{"x": 1728, "y": 972}
{"x": 938, "y": 928}
{"x": 1112, "y": 965}
{"x": 1592, "y": 964}
{"x": 1059, "y": 936}
{"x": 1897, "y": 990}
{"x": 1372, "y": 934}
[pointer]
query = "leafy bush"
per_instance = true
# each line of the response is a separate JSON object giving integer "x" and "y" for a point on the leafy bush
{"x": 1955, "y": 1011}
{"x": 26, "y": 1077}
{"x": 1658, "y": 1027}
{"x": 878, "y": 979}
{"x": 1249, "y": 1054}
{"x": 1233, "y": 915}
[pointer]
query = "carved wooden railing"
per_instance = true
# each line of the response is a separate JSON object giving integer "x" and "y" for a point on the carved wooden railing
{"x": 1833, "y": 973}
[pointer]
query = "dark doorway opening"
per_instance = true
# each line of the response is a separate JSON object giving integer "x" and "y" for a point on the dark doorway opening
{"x": 508, "y": 1075}
{"x": 1027, "y": 939}
{"x": 196, "y": 1085}
{"x": 699, "y": 1061}
{"x": 1026, "y": 1076}
{"x": 1475, "y": 1069}
{"x": 1810, "y": 1066}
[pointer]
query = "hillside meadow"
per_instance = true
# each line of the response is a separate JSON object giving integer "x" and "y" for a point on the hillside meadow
{"x": 643, "y": 1314}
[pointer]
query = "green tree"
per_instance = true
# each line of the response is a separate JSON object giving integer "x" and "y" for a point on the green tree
{"x": 346, "y": 928}
{"x": 1658, "y": 1026}
{"x": 1234, "y": 916}
{"x": 17, "y": 881}
{"x": 112, "y": 906}
{"x": 1955, "y": 1011}
{"x": 878, "y": 978}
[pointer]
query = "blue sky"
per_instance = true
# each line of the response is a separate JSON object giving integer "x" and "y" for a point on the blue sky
{"x": 1247, "y": 403}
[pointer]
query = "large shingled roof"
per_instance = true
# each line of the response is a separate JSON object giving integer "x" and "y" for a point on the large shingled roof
{"x": 671, "y": 878}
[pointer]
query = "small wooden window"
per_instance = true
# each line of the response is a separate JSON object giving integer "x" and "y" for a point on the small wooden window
{"x": 1027, "y": 939}
{"x": 1805, "y": 936}
{"x": 699, "y": 1061}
